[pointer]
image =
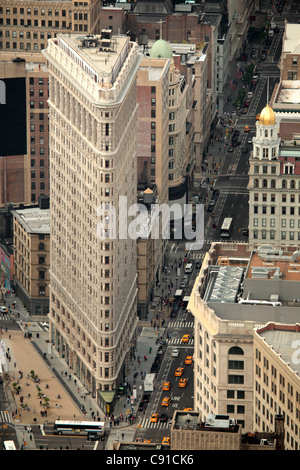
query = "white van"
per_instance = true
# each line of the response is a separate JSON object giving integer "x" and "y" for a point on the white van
{"x": 189, "y": 268}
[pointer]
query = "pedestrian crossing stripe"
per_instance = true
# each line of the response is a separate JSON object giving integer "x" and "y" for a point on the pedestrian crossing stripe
{"x": 175, "y": 341}
{"x": 146, "y": 424}
{"x": 6, "y": 417}
{"x": 180, "y": 324}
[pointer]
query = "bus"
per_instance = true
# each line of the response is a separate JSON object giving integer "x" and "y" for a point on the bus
{"x": 90, "y": 428}
{"x": 9, "y": 445}
{"x": 226, "y": 227}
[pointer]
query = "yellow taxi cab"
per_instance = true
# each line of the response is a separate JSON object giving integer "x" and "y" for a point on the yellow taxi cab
{"x": 182, "y": 383}
{"x": 185, "y": 338}
{"x": 257, "y": 117}
{"x": 166, "y": 441}
{"x": 166, "y": 386}
{"x": 166, "y": 401}
{"x": 246, "y": 129}
{"x": 187, "y": 409}
{"x": 188, "y": 360}
{"x": 147, "y": 441}
{"x": 154, "y": 417}
{"x": 179, "y": 371}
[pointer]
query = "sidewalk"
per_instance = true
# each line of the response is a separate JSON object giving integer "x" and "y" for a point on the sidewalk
{"x": 55, "y": 379}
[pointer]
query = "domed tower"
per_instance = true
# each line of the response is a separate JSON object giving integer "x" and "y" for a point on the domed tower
{"x": 176, "y": 98}
{"x": 264, "y": 175}
{"x": 266, "y": 142}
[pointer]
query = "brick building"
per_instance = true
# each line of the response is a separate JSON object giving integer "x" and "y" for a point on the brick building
{"x": 26, "y": 25}
{"x": 32, "y": 258}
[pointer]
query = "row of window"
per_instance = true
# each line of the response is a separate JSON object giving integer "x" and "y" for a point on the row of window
{"x": 273, "y": 184}
{"x": 264, "y": 222}
{"x": 22, "y": 46}
{"x": 285, "y": 210}
{"x": 35, "y": 23}
{"x": 284, "y": 235}
{"x": 29, "y": 11}
{"x": 272, "y": 197}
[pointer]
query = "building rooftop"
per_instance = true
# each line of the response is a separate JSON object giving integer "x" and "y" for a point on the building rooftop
{"x": 269, "y": 263}
{"x": 283, "y": 340}
{"x": 101, "y": 55}
{"x": 291, "y": 41}
{"x": 34, "y": 220}
{"x": 258, "y": 286}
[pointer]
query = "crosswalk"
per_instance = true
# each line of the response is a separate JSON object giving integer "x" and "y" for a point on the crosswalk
{"x": 181, "y": 324}
{"x": 6, "y": 417}
{"x": 177, "y": 342}
{"x": 146, "y": 424}
{"x": 5, "y": 316}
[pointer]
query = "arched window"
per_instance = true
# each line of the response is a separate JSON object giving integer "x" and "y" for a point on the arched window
{"x": 41, "y": 246}
{"x": 236, "y": 350}
{"x": 292, "y": 185}
{"x": 283, "y": 183}
{"x": 273, "y": 184}
{"x": 256, "y": 183}
{"x": 265, "y": 183}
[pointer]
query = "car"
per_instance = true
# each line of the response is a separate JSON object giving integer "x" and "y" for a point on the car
{"x": 212, "y": 202}
{"x": 161, "y": 350}
{"x": 142, "y": 406}
{"x": 175, "y": 353}
{"x": 182, "y": 383}
{"x": 245, "y": 150}
{"x": 198, "y": 264}
{"x": 246, "y": 104}
{"x": 179, "y": 371}
{"x": 230, "y": 149}
{"x": 163, "y": 418}
{"x": 257, "y": 116}
{"x": 185, "y": 338}
{"x": 249, "y": 141}
{"x": 183, "y": 283}
{"x": 93, "y": 436}
{"x": 166, "y": 441}
{"x": 166, "y": 401}
{"x": 3, "y": 309}
{"x": 245, "y": 231}
{"x": 154, "y": 417}
{"x": 246, "y": 129}
{"x": 188, "y": 409}
{"x": 166, "y": 386}
{"x": 188, "y": 360}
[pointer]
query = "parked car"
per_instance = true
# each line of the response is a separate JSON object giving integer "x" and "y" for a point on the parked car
{"x": 245, "y": 150}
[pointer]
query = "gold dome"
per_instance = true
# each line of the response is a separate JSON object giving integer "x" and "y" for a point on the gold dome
{"x": 267, "y": 116}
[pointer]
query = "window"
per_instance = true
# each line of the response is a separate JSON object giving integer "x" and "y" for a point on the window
{"x": 236, "y": 350}
{"x": 236, "y": 365}
{"x": 235, "y": 379}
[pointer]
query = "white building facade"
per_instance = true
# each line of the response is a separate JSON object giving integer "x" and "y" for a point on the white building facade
{"x": 274, "y": 183}
{"x": 93, "y": 113}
